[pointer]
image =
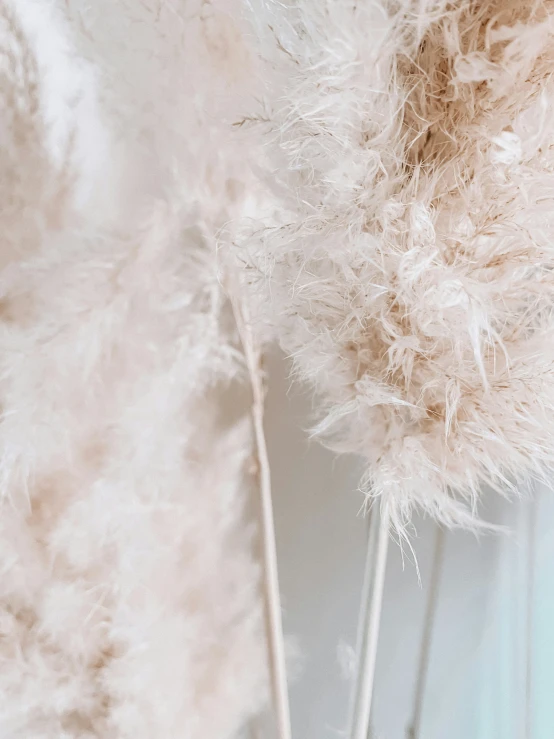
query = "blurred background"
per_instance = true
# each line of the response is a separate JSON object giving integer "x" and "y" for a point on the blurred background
{"x": 491, "y": 653}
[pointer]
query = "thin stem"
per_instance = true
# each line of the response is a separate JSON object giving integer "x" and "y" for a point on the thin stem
{"x": 276, "y": 642}
{"x": 254, "y": 730}
{"x": 370, "y": 618}
{"x": 414, "y": 730}
{"x": 530, "y": 595}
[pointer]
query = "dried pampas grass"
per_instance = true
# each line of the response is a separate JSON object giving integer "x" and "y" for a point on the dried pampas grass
{"x": 399, "y": 187}
{"x": 129, "y": 589}
{"x": 409, "y": 272}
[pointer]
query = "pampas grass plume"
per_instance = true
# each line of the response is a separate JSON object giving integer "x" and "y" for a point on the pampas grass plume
{"x": 408, "y": 269}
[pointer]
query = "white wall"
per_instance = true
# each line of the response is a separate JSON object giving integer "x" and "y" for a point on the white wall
{"x": 476, "y": 687}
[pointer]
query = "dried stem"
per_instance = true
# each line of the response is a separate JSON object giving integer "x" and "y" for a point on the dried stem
{"x": 276, "y": 644}
{"x": 428, "y": 626}
{"x": 370, "y": 618}
{"x": 532, "y": 513}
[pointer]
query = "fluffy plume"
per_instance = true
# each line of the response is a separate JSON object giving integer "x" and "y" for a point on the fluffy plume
{"x": 410, "y": 271}
{"x": 129, "y": 602}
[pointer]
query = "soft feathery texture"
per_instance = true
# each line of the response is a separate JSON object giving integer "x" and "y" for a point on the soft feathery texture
{"x": 409, "y": 272}
{"x": 129, "y": 603}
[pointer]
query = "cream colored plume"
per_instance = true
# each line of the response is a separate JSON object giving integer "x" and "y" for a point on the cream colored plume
{"x": 409, "y": 271}
{"x": 129, "y": 590}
